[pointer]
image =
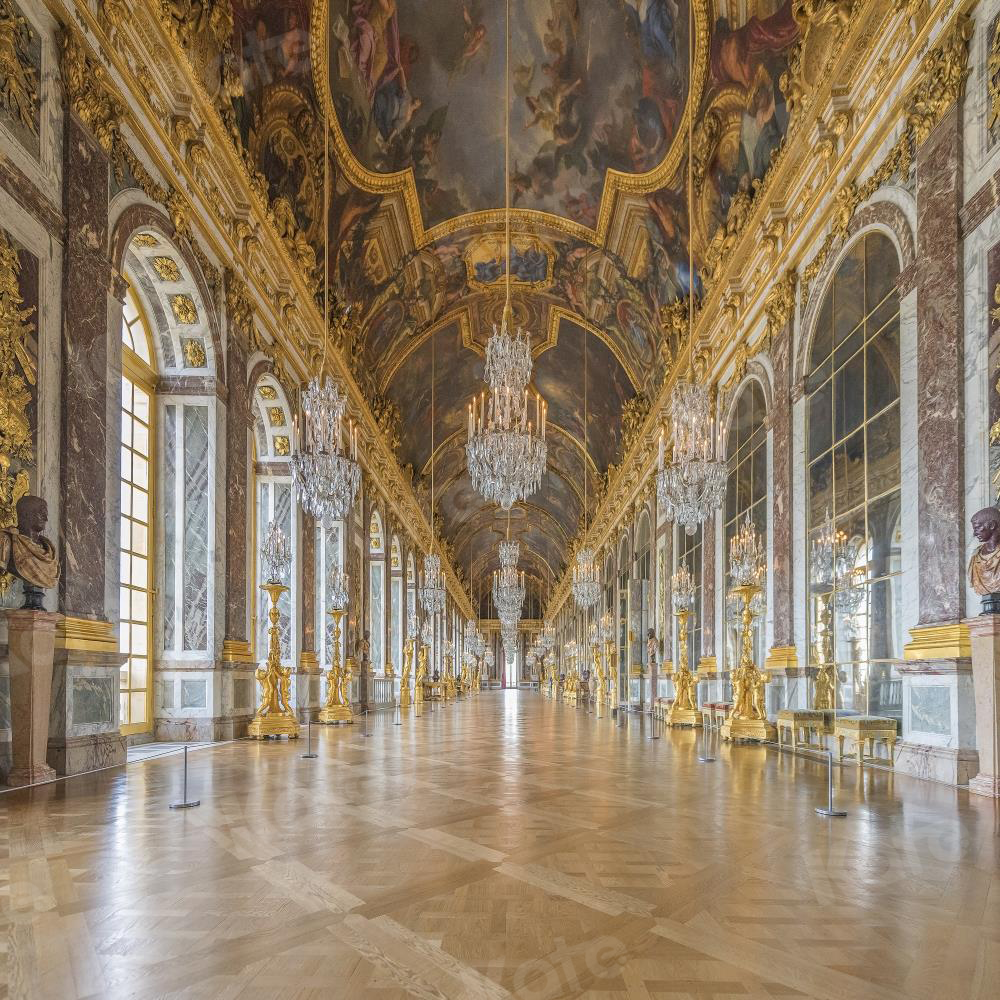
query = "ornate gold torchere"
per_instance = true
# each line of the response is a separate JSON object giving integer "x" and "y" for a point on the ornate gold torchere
{"x": 600, "y": 693}
{"x": 684, "y": 711}
{"x": 337, "y": 708}
{"x": 404, "y": 681}
{"x": 418, "y": 685}
{"x": 449, "y": 681}
{"x": 390, "y": 671}
{"x": 611, "y": 662}
{"x": 748, "y": 718}
{"x": 824, "y": 692}
{"x": 274, "y": 716}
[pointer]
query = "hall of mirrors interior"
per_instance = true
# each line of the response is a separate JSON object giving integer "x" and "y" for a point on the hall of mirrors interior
{"x": 442, "y": 386}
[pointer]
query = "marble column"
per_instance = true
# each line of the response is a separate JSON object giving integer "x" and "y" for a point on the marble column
{"x": 708, "y": 573}
{"x": 308, "y": 682}
{"x": 782, "y": 652}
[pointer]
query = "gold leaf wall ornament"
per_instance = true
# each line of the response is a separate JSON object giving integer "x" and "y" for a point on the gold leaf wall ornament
{"x": 268, "y": 392}
{"x": 194, "y": 353}
{"x": 281, "y": 445}
{"x": 942, "y": 81}
{"x": 779, "y": 304}
{"x": 822, "y": 27}
{"x": 239, "y": 307}
{"x": 993, "y": 78}
{"x": 184, "y": 309}
{"x": 17, "y": 372}
{"x": 166, "y": 268}
{"x": 634, "y": 415}
{"x": 276, "y": 415}
{"x": 89, "y": 90}
{"x": 18, "y": 76}
{"x": 145, "y": 240}
{"x": 188, "y": 19}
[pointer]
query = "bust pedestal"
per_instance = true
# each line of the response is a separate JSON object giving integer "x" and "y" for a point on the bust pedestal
{"x": 984, "y": 635}
{"x": 31, "y": 641}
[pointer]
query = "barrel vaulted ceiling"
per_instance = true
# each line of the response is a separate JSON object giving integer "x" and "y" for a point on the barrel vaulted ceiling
{"x": 413, "y": 94}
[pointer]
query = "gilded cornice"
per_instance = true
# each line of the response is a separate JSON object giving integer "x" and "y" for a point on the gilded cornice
{"x": 210, "y": 185}
{"x": 918, "y": 90}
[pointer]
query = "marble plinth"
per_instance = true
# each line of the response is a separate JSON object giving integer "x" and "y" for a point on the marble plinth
{"x": 30, "y": 641}
{"x": 748, "y": 729}
{"x": 984, "y": 635}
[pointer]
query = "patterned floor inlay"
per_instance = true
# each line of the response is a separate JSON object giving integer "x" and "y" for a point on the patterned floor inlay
{"x": 504, "y": 847}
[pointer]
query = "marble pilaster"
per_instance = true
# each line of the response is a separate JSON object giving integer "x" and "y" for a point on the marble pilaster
{"x": 89, "y": 454}
{"x": 782, "y": 542}
{"x": 984, "y": 631}
{"x": 940, "y": 378}
{"x": 708, "y": 588}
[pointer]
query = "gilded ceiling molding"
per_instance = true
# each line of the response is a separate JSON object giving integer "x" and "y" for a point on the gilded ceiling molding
{"x": 402, "y": 182}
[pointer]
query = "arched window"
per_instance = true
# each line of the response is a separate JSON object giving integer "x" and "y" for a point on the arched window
{"x": 853, "y": 458}
{"x": 641, "y": 618}
{"x": 137, "y": 525}
{"x": 746, "y": 494}
{"x": 376, "y": 592}
{"x": 329, "y": 557}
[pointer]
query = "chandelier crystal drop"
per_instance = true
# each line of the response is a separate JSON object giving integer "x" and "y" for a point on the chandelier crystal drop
{"x": 682, "y": 589}
{"x": 747, "y": 565}
{"x": 693, "y": 485}
{"x": 547, "y": 639}
{"x": 586, "y": 580}
{"x": 324, "y": 461}
{"x": 427, "y": 632}
{"x": 432, "y": 590}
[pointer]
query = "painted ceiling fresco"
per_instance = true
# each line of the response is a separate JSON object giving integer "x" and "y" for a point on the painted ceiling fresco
{"x": 596, "y": 85}
{"x": 412, "y": 91}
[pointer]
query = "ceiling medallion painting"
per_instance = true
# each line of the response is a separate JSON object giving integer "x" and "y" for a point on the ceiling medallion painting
{"x": 599, "y": 95}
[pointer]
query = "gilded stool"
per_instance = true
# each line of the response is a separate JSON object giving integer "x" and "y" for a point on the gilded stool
{"x": 806, "y": 721}
{"x": 864, "y": 729}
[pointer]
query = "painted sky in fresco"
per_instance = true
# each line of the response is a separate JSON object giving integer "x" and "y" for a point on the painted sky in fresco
{"x": 595, "y": 84}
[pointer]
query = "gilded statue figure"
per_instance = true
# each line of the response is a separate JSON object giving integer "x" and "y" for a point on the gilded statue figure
{"x": 684, "y": 692}
{"x": 346, "y": 673}
{"x": 404, "y": 680}
{"x": 421, "y": 675}
{"x": 984, "y": 566}
{"x": 27, "y": 554}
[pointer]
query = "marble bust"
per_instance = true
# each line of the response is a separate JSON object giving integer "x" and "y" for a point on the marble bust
{"x": 27, "y": 554}
{"x": 984, "y": 566}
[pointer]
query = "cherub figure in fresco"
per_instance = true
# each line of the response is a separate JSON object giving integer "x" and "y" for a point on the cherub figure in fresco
{"x": 473, "y": 42}
{"x": 294, "y": 46}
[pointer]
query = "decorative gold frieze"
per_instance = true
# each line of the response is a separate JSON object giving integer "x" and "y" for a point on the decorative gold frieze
{"x": 166, "y": 268}
{"x": 276, "y": 415}
{"x": 145, "y": 240}
{"x": 993, "y": 78}
{"x": 184, "y": 309}
{"x": 89, "y": 90}
{"x": 780, "y": 302}
{"x": 194, "y": 353}
{"x": 942, "y": 82}
{"x": 18, "y": 75}
{"x": 822, "y": 26}
{"x": 239, "y": 306}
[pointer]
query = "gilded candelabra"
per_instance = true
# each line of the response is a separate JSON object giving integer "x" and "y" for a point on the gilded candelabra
{"x": 449, "y": 679}
{"x": 274, "y": 716}
{"x": 684, "y": 711}
{"x": 824, "y": 692}
{"x": 404, "y": 681}
{"x": 748, "y": 718}
{"x": 337, "y": 707}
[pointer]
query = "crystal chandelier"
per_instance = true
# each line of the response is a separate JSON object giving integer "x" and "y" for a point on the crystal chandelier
{"x": 693, "y": 485}
{"x": 427, "y": 632}
{"x": 432, "y": 586}
{"x": 325, "y": 468}
{"x": 682, "y": 589}
{"x": 586, "y": 580}
{"x": 607, "y": 627}
{"x": 547, "y": 639}
{"x": 506, "y": 452}
{"x": 412, "y": 625}
{"x": 508, "y": 586}
{"x": 337, "y": 588}
{"x": 275, "y": 554}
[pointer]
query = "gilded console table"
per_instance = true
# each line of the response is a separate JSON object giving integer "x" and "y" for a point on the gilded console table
{"x": 864, "y": 729}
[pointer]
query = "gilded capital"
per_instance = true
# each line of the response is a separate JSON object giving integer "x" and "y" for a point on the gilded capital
{"x": 943, "y": 71}
{"x": 88, "y": 90}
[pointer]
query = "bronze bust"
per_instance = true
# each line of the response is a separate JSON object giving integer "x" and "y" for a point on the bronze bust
{"x": 27, "y": 554}
{"x": 984, "y": 566}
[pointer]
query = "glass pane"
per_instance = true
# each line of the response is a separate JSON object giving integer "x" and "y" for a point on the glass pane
{"x": 820, "y": 420}
{"x": 140, "y": 406}
{"x": 822, "y": 338}
{"x": 126, "y": 464}
{"x": 848, "y": 294}
{"x": 123, "y": 673}
{"x": 849, "y": 395}
{"x": 126, "y": 394}
{"x": 884, "y": 538}
{"x": 124, "y": 603}
{"x": 123, "y": 709}
{"x": 126, "y": 428}
{"x": 138, "y": 708}
{"x": 126, "y": 534}
{"x": 140, "y": 472}
{"x": 140, "y": 439}
{"x": 140, "y": 539}
{"x": 820, "y": 489}
{"x": 883, "y": 452}
{"x": 759, "y": 474}
{"x": 883, "y": 313}
{"x": 140, "y": 605}
{"x": 126, "y": 499}
{"x": 883, "y": 369}
{"x": 885, "y": 632}
{"x": 882, "y": 264}
{"x": 138, "y": 639}
{"x": 139, "y": 572}
{"x": 137, "y": 678}
{"x": 125, "y": 567}
{"x": 140, "y": 505}
{"x": 849, "y": 472}
{"x": 848, "y": 347}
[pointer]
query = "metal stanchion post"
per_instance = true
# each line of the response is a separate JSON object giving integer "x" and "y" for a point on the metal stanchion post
{"x": 399, "y": 720}
{"x": 705, "y": 757}
{"x": 828, "y": 809}
{"x": 309, "y": 755}
{"x": 366, "y": 733}
{"x": 653, "y": 734}
{"x": 184, "y": 803}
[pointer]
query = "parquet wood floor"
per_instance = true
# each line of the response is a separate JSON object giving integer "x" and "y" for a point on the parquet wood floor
{"x": 504, "y": 847}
